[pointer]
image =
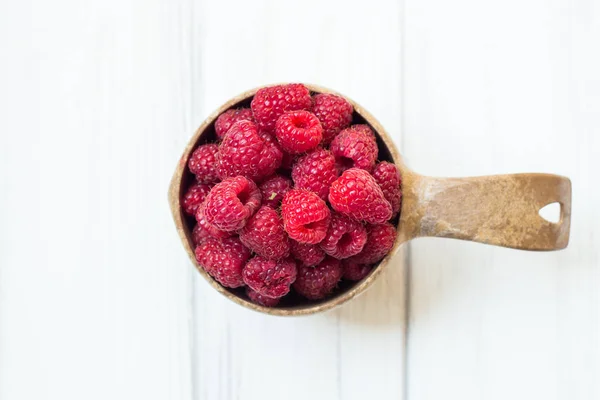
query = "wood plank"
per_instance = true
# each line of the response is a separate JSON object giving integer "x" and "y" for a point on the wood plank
{"x": 501, "y": 88}
{"x": 94, "y": 287}
{"x": 240, "y": 354}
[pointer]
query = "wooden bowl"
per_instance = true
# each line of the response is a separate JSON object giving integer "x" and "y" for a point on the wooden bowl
{"x": 500, "y": 210}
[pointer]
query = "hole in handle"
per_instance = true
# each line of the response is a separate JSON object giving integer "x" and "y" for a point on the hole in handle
{"x": 551, "y": 212}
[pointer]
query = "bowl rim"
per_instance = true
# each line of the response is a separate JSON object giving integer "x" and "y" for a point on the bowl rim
{"x": 175, "y": 191}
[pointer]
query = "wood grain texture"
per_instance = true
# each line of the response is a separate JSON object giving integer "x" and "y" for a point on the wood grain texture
{"x": 241, "y": 354}
{"x": 502, "y": 88}
{"x": 502, "y": 210}
{"x": 94, "y": 290}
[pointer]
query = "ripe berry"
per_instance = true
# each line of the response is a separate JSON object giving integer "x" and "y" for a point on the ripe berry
{"x": 365, "y": 129}
{"x": 264, "y": 234}
{"x": 271, "y": 278}
{"x": 204, "y": 230}
{"x": 259, "y": 299}
{"x": 298, "y": 131}
{"x": 355, "y": 148}
{"x": 305, "y": 216}
{"x": 357, "y": 195}
{"x": 203, "y": 163}
{"x": 307, "y": 254}
{"x": 194, "y": 196}
{"x": 231, "y": 202}
{"x": 271, "y": 102}
{"x": 354, "y": 271}
{"x": 334, "y": 112}
{"x": 223, "y": 260}
{"x": 345, "y": 237}
{"x": 318, "y": 282}
{"x": 316, "y": 172}
{"x": 388, "y": 178}
{"x": 246, "y": 152}
{"x": 273, "y": 189}
{"x": 230, "y": 117}
{"x": 380, "y": 240}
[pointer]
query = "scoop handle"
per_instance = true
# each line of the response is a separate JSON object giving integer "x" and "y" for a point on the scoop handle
{"x": 501, "y": 210}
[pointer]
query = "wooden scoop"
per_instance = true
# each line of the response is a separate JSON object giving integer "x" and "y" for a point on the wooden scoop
{"x": 501, "y": 210}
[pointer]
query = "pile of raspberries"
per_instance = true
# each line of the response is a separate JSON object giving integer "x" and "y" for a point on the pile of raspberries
{"x": 291, "y": 197}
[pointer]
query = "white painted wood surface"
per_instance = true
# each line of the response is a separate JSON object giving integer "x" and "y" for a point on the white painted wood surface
{"x": 502, "y": 87}
{"x": 94, "y": 288}
{"x": 97, "y": 298}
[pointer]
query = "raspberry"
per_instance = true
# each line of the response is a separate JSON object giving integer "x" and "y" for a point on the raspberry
{"x": 388, "y": 178}
{"x": 334, "y": 112}
{"x": 318, "y": 282}
{"x": 305, "y": 216}
{"x": 203, "y": 163}
{"x": 308, "y": 254}
{"x": 204, "y": 230}
{"x": 230, "y": 117}
{"x": 316, "y": 172}
{"x": 345, "y": 237}
{"x": 298, "y": 131}
{"x": 380, "y": 240}
{"x": 357, "y": 195}
{"x": 264, "y": 234}
{"x": 194, "y": 196}
{"x": 354, "y": 271}
{"x": 270, "y": 103}
{"x": 271, "y": 278}
{"x": 272, "y": 157}
{"x": 364, "y": 128}
{"x": 231, "y": 202}
{"x": 223, "y": 260}
{"x": 244, "y": 151}
{"x": 273, "y": 189}
{"x": 355, "y": 148}
{"x": 259, "y": 299}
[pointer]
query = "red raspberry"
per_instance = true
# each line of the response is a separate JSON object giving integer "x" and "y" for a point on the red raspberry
{"x": 204, "y": 230}
{"x": 345, "y": 237}
{"x": 270, "y": 103}
{"x": 273, "y": 189}
{"x": 354, "y": 271}
{"x": 298, "y": 131}
{"x": 272, "y": 156}
{"x": 318, "y": 282}
{"x": 316, "y": 172}
{"x": 203, "y": 163}
{"x": 194, "y": 196}
{"x": 334, "y": 112}
{"x": 305, "y": 216}
{"x": 231, "y": 202}
{"x": 364, "y": 128}
{"x": 264, "y": 234}
{"x": 230, "y": 117}
{"x": 244, "y": 151}
{"x": 308, "y": 254}
{"x": 259, "y": 299}
{"x": 388, "y": 178}
{"x": 357, "y": 195}
{"x": 223, "y": 260}
{"x": 380, "y": 240}
{"x": 271, "y": 278}
{"x": 355, "y": 148}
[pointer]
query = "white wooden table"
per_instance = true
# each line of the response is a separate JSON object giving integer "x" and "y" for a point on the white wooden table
{"x": 98, "y": 299}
